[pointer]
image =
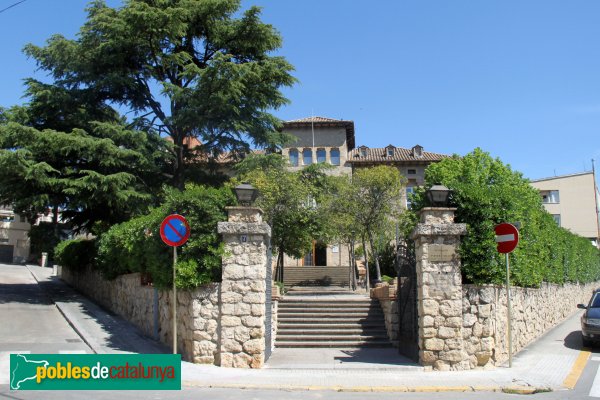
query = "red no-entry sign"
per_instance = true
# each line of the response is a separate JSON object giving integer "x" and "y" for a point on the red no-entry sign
{"x": 507, "y": 237}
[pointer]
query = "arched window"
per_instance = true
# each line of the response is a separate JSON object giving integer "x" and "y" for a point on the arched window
{"x": 294, "y": 157}
{"x": 307, "y": 156}
{"x": 334, "y": 156}
{"x": 321, "y": 155}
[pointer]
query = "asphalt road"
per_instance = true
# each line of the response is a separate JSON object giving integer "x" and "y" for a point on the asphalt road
{"x": 29, "y": 321}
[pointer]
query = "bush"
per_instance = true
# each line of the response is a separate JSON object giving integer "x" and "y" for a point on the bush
{"x": 136, "y": 246}
{"x": 76, "y": 253}
{"x": 487, "y": 192}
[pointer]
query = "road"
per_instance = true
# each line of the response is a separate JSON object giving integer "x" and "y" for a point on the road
{"x": 30, "y": 323}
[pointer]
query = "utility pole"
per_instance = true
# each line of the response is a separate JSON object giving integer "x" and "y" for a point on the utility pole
{"x": 596, "y": 204}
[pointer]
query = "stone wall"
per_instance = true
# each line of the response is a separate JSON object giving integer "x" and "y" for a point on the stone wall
{"x": 197, "y": 310}
{"x": 386, "y": 294}
{"x": 534, "y": 311}
{"x": 221, "y": 323}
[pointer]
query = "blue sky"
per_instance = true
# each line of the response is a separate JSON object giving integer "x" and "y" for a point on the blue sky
{"x": 519, "y": 79}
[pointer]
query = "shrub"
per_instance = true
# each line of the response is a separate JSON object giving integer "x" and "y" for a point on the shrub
{"x": 76, "y": 253}
{"x": 487, "y": 192}
{"x": 136, "y": 246}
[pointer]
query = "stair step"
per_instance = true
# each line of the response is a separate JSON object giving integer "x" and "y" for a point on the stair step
{"x": 379, "y": 331}
{"x": 344, "y": 304}
{"x": 328, "y": 326}
{"x": 331, "y": 338}
{"x": 360, "y": 318}
{"x": 340, "y": 344}
{"x": 327, "y": 310}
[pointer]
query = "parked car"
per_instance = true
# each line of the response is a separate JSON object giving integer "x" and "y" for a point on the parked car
{"x": 590, "y": 320}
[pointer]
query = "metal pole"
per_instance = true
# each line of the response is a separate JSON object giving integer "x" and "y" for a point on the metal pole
{"x": 174, "y": 302}
{"x": 509, "y": 312}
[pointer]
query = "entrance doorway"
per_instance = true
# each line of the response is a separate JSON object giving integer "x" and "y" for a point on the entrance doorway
{"x": 320, "y": 255}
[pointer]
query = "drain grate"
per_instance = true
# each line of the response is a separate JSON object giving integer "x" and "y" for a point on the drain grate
{"x": 73, "y": 340}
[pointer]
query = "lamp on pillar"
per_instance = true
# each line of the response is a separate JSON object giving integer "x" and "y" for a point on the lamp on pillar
{"x": 438, "y": 195}
{"x": 245, "y": 194}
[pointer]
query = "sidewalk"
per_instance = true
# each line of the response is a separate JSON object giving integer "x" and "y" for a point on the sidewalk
{"x": 551, "y": 363}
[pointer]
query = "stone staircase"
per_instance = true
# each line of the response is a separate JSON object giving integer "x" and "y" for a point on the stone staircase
{"x": 337, "y": 318}
{"x": 315, "y": 276}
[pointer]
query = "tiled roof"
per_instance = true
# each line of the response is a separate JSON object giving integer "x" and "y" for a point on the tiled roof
{"x": 323, "y": 121}
{"x": 315, "y": 119}
{"x": 379, "y": 155}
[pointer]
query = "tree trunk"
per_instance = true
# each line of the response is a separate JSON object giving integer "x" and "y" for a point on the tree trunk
{"x": 364, "y": 243}
{"x": 279, "y": 267}
{"x": 375, "y": 257}
{"x": 178, "y": 178}
{"x": 55, "y": 221}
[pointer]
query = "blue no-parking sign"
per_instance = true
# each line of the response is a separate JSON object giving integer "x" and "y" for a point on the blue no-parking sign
{"x": 175, "y": 230}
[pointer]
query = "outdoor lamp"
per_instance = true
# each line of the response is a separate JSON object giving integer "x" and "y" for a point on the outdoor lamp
{"x": 245, "y": 193}
{"x": 438, "y": 195}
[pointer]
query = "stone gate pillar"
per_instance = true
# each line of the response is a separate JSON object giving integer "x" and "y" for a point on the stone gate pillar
{"x": 439, "y": 290}
{"x": 243, "y": 289}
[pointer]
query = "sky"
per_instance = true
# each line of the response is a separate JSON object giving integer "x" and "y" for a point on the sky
{"x": 520, "y": 79}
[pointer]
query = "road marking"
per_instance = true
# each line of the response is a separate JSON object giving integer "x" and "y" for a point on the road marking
{"x": 595, "y": 359}
{"x": 577, "y": 369}
{"x": 595, "y": 390}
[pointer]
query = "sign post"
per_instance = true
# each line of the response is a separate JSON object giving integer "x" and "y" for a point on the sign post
{"x": 507, "y": 237}
{"x": 174, "y": 231}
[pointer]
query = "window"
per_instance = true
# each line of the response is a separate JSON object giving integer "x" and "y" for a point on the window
{"x": 410, "y": 190}
{"x": 556, "y": 218}
{"x": 307, "y": 156}
{"x": 22, "y": 218}
{"x": 321, "y": 155}
{"x": 3, "y": 240}
{"x": 389, "y": 151}
{"x": 7, "y": 218}
{"x": 550, "y": 196}
{"x": 417, "y": 151}
{"x": 294, "y": 157}
{"x": 334, "y": 156}
{"x": 412, "y": 171}
{"x": 363, "y": 151}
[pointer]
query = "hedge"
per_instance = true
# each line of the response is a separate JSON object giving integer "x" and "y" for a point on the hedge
{"x": 487, "y": 192}
{"x": 136, "y": 246}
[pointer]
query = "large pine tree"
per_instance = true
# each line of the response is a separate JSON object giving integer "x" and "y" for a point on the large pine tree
{"x": 186, "y": 68}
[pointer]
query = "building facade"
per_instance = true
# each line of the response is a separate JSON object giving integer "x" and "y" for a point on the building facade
{"x": 14, "y": 237}
{"x": 572, "y": 201}
{"x": 332, "y": 141}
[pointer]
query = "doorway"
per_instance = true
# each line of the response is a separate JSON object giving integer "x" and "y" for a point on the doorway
{"x": 320, "y": 255}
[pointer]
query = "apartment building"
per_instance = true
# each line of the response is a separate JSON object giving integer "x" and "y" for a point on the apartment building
{"x": 573, "y": 202}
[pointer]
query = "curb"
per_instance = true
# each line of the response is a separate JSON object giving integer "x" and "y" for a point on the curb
{"x": 81, "y": 332}
{"x": 377, "y": 389}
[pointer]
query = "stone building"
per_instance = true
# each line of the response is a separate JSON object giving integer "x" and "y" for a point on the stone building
{"x": 332, "y": 141}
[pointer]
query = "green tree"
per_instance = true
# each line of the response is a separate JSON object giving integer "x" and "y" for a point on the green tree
{"x": 96, "y": 172}
{"x": 184, "y": 68}
{"x": 136, "y": 246}
{"x": 374, "y": 201}
{"x": 292, "y": 202}
{"x": 487, "y": 192}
